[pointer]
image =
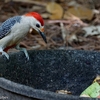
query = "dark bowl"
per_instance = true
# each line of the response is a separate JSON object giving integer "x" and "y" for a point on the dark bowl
{"x": 46, "y": 72}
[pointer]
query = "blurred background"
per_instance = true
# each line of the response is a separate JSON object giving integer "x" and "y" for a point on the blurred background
{"x": 69, "y": 24}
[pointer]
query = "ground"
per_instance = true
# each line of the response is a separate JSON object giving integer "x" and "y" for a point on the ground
{"x": 62, "y": 33}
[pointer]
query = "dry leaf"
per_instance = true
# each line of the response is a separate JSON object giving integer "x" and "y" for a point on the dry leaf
{"x": 63, "y": 31}
{"x": 72, "y": 38}
{"x": 45, "y": 15}
{"x": 63, "y": 92}
{"x": 73, "y": 4}
{"x": 36, "y": 8}
{"x": 81, "y": 12}
{"x": 6, "y": 1}
{"x": 55, "y": 9}
{"x": 31, "y": 2}
{"x": 41, "y": 42}
{"x": 36, "y": 47}
{"x": 91, "y": 30}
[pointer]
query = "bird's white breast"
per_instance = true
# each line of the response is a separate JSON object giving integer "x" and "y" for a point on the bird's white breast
{"x": 19, "y": 31}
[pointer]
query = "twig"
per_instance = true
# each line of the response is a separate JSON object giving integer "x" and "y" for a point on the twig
{"x": 64, "y": 33}
{"x": 58, "y": 21}
{"x": 31, "y": 1}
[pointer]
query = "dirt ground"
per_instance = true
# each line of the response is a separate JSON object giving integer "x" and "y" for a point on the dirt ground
{"x": 66, "y": 37}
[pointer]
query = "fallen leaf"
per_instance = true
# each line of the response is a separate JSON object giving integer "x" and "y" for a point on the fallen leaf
{"x": 36, "y": 8}
{"x": 72, "y": 38}
{"x": 36, "y": 47}
{"x": 80, "y": 11}
{"x": 64, "y": 32}
{"x": 45, "y": 15}
{"x": 63, "y": 92}
{"x": 55, "y": 9}
{"x": 97, "y": 78}
{"x": 91, "y": 30}
{"x": 41, "y": 42}
{"x": 73, "y": 3}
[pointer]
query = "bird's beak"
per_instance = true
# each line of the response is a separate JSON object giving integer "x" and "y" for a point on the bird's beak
{"x": 42, "y": 34}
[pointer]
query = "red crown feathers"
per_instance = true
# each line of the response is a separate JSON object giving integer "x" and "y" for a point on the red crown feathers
{"x": 37, "y": 16}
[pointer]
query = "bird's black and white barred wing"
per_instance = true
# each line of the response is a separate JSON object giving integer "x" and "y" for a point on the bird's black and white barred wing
{"x": 6, "y": 26}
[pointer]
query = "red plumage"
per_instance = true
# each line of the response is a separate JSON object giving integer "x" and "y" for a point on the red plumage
{"x": 37, "y": 16}
{"x": 9, "y": 47}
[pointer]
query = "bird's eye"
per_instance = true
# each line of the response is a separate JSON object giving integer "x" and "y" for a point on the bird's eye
{"x": 37, "y": 25}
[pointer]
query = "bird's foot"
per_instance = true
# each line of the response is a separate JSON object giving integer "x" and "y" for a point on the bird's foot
{"x": 26, "y": 53}
{"x": 24, "y": 50}
{"x": 5, "y": 54}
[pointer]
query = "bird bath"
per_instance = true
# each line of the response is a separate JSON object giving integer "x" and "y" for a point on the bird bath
{"x": 46, "y": 72}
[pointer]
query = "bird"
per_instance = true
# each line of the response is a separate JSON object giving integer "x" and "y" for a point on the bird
{"x": 14, "y": 29}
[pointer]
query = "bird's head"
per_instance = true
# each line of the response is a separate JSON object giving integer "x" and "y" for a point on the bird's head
{"x": 37, "y": 23}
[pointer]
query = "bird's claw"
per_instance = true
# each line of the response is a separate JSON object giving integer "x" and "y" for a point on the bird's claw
{"x": 24, "y": 50}
{"x": 27, "y": 57}
{"x": 26, "y": 53}
{"x": 5, "y": 54}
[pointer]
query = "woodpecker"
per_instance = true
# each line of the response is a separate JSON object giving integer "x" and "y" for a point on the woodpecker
{"x": 14, "y": 29}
